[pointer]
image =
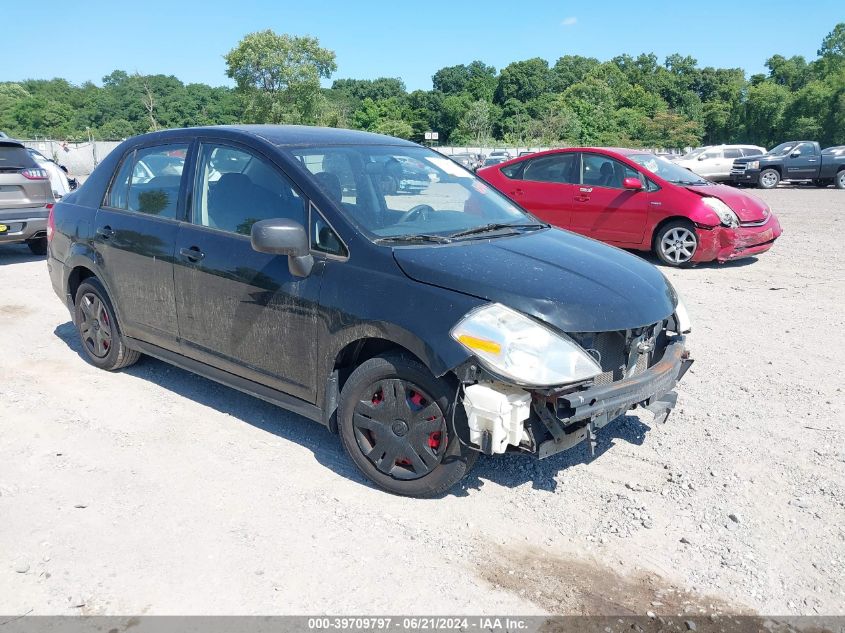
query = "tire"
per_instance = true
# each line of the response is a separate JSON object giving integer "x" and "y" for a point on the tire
{"x": 38, "y": 246}
{"x": 769, "y": 179}
{"x": 98, "y": 328}
{"x": 394, "y": 419}
{"x": 840, "y": 179}
{"x": 676, "y": 243}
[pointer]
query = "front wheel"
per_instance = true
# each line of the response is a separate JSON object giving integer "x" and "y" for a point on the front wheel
{"x": 395, "y": 423}
{"x": 840, "y": 180}
{"x": 769, "y": 178}
{"x": 676, "y": 243}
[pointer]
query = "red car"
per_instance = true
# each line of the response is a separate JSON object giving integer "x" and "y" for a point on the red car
{"x": 636, "y": 200}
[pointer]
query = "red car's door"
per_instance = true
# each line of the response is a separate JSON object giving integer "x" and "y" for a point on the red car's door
{"x": 544, "y": 186}
{"x": 602, "y": 207}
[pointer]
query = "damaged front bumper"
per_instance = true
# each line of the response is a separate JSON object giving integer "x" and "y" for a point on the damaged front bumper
{"x": 724, "y": 244}
{"x": 504, "y": 417}
{"x": 571, "y": 418}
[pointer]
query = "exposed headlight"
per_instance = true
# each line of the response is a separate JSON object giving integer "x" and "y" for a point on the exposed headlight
{"x": 682, "y": 320}
{"x": 752, "y": 164}
{"x": 518, "y": 348}
{"x": 726, "y": 216}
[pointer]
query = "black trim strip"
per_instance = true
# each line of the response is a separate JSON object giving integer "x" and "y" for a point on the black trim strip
{"x": 268, "y": 394}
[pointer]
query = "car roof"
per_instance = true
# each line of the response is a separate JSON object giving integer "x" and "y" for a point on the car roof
{"x": 293, "y": 135}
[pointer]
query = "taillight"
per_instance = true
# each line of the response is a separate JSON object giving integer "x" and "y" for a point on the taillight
{"x": 35, "y": 173}
{"x": 51, "y": 223}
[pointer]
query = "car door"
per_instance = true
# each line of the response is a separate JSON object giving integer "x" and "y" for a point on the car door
{"x": 709, "y": 162}
{"x": 240, "y": 310}
{"x": 134, "y": 236}
{"x": 544, "y": 186}
{"x": 802, "y": 163}
{"x": 603, "y": 208}
{"x": 722, "y": 170}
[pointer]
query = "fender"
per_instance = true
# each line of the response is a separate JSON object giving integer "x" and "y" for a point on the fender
{"x": 83, "y": 255}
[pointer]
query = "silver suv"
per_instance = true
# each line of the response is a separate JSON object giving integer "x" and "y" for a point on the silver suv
{"x": 25, "y": 198}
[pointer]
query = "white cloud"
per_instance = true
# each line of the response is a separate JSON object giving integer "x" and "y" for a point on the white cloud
{"x": 569, "y": 21}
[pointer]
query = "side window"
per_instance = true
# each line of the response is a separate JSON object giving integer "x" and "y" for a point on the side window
{"x": 712, "y": 155}
{"x": 119, "y": 190}
{"x": 156, "y": 176}
{"x": 602, "y": 171}
{"x": 806, "y": 149}
{"x": 560, "y": 168}
{"x": 323, "y": 237}
{"x": 149, "y": 180}
{"x": 514, "y": 172}
{"x": 751, "y": 151}
{"x": 235, "y": 189}
{"x": 732, "y": 153}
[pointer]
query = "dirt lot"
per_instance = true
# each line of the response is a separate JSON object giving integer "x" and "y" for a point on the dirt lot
{"x": 156, "y": 491}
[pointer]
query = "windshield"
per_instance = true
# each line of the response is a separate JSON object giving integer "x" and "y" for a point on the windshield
{"x": 781, "y": 149}
{"x": 668, "y": 170}
{"x": 406, "y": 192}
{"x": 693, "y": 153}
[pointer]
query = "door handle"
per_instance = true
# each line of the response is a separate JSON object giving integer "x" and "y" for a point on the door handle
{"x": 193, "y": 254}
{"x": 105, "y": 232}
{"x": 586, "y": 190}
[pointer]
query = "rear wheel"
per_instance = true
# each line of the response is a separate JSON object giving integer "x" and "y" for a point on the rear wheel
{"x": 98, "y": 328}
{"x": 676, "y": 243}
{"x": 38, "y": 246}
{"x": 394, "y": 419}
{"x": 769, "y": 178}
{"x": 840, "y": 180}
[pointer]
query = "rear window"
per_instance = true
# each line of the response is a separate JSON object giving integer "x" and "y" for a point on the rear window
{"x": 15, "y": 157}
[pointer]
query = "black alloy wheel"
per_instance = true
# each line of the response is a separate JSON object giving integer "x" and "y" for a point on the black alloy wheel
{"x": 95, "y": 327}
{"x": 98, "y": 328}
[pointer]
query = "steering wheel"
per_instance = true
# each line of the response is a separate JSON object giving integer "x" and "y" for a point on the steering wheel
{"x": 420, "y": 211}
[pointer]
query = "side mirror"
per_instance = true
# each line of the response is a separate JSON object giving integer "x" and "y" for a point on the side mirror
{"x": 796, "y": 153}
{"x": 284, "y": 237}
{"x": 633, "y": 183}
{"x": 701, "y": 157}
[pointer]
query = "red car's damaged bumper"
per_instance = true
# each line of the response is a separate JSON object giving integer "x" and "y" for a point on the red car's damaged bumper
{"x": 724, "y": 244}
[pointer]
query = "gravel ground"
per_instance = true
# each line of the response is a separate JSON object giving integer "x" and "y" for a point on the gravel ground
{"x": 158, "y": 492}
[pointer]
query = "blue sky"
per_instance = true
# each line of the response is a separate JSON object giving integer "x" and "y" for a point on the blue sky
{"x": 397, "y": 38}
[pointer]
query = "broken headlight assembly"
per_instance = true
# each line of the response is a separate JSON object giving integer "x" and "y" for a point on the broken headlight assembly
{"x": 516, "y": 347}
{"x": 682, "y": 320}
{"x": 726, "y": 215}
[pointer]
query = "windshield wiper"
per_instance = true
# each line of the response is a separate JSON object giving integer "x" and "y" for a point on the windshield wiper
{"x": 418, "y": 237}
{"x": 497, "y": 226}
{"x": 693, "y": 183}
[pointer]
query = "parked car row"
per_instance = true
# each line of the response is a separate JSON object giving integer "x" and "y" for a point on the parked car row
{"x": 637, "y": 200}
{"x": 793, "y": 161}
{"x": 715, "y": 162}
{"x": 423, "y": 330}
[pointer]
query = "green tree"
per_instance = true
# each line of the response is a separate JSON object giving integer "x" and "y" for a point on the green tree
{"x": 279, "y": 75}
{"x": 523, "y": 80}
{"x": 477, "y": 78}
{"x": 764, "y": 110}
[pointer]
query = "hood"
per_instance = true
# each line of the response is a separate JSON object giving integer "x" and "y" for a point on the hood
{"x": 748, "y": 208}
{"x": 573, "y": 283}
